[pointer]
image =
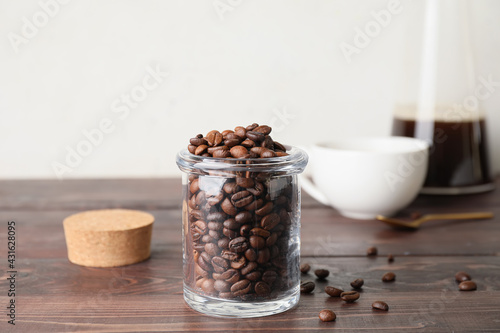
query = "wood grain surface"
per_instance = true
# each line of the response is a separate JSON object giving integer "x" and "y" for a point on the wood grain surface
{"x": 54, "y": 295}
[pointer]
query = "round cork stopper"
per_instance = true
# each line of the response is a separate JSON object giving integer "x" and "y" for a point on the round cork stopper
{"x": 108, "y": 237}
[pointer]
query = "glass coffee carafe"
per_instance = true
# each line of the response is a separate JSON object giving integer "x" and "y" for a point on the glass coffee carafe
{"x": 440, "y": 99}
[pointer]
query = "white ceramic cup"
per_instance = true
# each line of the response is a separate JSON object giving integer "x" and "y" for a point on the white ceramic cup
{"x": 365, "y": 177}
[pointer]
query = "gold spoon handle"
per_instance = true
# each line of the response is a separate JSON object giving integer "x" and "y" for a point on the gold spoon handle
{"x": 458, "y": 216}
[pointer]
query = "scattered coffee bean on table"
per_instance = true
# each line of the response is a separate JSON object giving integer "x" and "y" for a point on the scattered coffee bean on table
{"x": 371, "y": 251}
{"x": 349, "y": 296}
{"x": 390, "y": 258}
{"x": 467, "y": 286}
{"x": 357, "y": 284}
{"x": 388, "y": 277}
{"x": 307, "y": 287}
{"x": 322, "y": 273}
{"x": 379, "y": 305}
{"x": 305, "y": 268}
{"x": 415, "y": 215}
{"x": 462, "y": 276}
{"x": 333, "y": 292}
{"x": 327, "y": 315}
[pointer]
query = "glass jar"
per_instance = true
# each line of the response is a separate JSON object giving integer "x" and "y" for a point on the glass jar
{"x": 241, "y": 233}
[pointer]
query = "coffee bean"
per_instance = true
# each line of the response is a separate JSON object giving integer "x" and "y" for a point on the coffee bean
{"x": 219, "y": 264}
{"x": 204, "y": 261}
{"x": 349, "y": 296}
{"x": 215, "y": 199}
{"x": 231, "y": 143}
{"x": 265, "y": 209}
{"x": 228, "y": 255}
{"x": 223, "y": 243}
{"x": 253, "y": 276}
{"x": 271, "y": 240}
{"x": 240, "y": 131}
{"x": 216, "y": 216}
{"x": 254, "y": 205}
{"x": 237, "y": 151}
{"x": 222, "y": 286}
{"x": 226, "y": 295}
{"x": 357, "y": 284}
{"x": 279, "y": 146}
{"x": 231, "y": 276}
{"x": 307, "y": 287}
{"x": 263, "y": 256}
{"x": 388, "y": 277}
{"x": 241, "y": 287}
{"x": 462, "y": 276}
{"x": 242, "y": 199}
{"x": 270, "y": 221}
{"x": 415, "y": 215}
{"x": 252, "y": 127}
{"x": 255, "y": 136}
{"x": 390, "y": 258}
{"x": 467, "y": 286}
{"x": 257, "y": 190}
{"x": 269, "y": 277}
{"x": 257, "y": 242}
{"x": 248, "y": 144}
{"x": 230, "y": 188}
{"x": 243, "y": 217}
{"x": 238, "y": 263}
{"x": 221, "y": 153}
{"x": 230, "y": 233}
{"x": 262, "y": 289}
{"x": 304, "y": 268}
{"x": 226, "y": 132}
{"x": 215, "y": 226}
{"x": 250, "y": 267}
{"x": 245, "y": 230}
{"x": 322, "y": 273}
{"x": 333, "y": 292}
{"x": 379, "y": 305}
{"x": 260, "y": 232}
{"x": 371, "y": 251}
{"x": 200, "y": 227}
{"x": 208, "y": 286}
{"x": 238, "y": 245}
{"x": 267, "y": 153}
{"x": 245, "y": 182}
{"x": 214, "y": 138}
{"x": 192, "y": 149}
{"x": 212, "y": 249}
{"x": 194, "y": 187}
{"x": 327, "y": 315}
{"x": 198, "y": 141}
{"x": 200, "y": 149}
{"x": 251, "y": 255}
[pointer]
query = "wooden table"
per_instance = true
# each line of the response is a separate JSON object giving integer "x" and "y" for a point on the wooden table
{"x": 53, "y": 295}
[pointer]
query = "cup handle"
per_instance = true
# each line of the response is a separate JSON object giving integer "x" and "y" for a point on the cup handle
{"x": 311, "y": 188}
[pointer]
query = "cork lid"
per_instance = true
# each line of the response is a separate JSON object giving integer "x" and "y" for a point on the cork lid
{"x": 108, "y": 237}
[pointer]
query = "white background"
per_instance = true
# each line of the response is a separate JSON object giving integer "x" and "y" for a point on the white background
{"x": 257, "y": 62}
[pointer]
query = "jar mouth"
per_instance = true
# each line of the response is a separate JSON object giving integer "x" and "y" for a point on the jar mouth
{"x": 293, "y": 163}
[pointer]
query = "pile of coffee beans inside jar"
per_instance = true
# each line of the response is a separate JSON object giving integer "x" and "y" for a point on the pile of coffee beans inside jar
{"x": 240, "y": 224}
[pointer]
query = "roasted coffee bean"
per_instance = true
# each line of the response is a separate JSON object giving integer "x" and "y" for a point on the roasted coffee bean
{"x": 231, "y": 276}
{"x": 333, "y": 292}
{"x": 263, "y": 256}
{"x": 216, "y": 216}
{"x": 237, "y": 151}
{"x": 240, "y": 131}
{"x": 231, "y": 143}
{"x": 216, "y": 226}
{"x": 467, "y": 286}
{"x": 245, "y": 182}
{"x": 462, "y": 276}
{"x": 256, "y": 204}
{"x": 208, "y": 286}
{"x": 194, "y": 187}
{"x": 305, "y": 268}
{"x": 192, "y": 149}
{"x": 230, "y": 188}
{"x": 322, "y": 273}
{"x": 204, "y": 261}
{"x": 228, "y": 255}
{"x": 212, "y": 249}
{"x": 243, "y": 217}
{"x": 257, "y": 150}
{"x": 214, "y": 138}
{"x": 268, "y": 143}
{"x": 230, "y": 233}
{"x": 250, "y": 267}
{"x": 264, "y": 129}
{"x": 357, "y": 284}
{"x": 198, "y": 141}
{"x": 267, "y": 153}
{"x": 245, "y": 230}
{"x": 200, "y": 227}
{"x": 222, "y": 286}
{"x": 207, "y": 239}
{"x": 415, "y": 215}
{"x": 241, "y": 287}
{"x": 239, "y": 244}
{"x": 265, "y": 209}
{"x": 226, "y": 132}
{"x": 231, "y": 224}
{"x": 197, "y": 214}
{"x": 371, "y": 251}
{"x": 271, "y": 240}
{"x": 238, "y": 263}
{"x": 260, "y": 232}
{"x": 253, "y": 276}
{"x": 327, "y": 315}
{"x": 255, "y": 136}
{"x": 228, "y": 207}
{"x": 280, "y": 154}
{"x": 200, "y": 149}
{"x": 262, "y": 289}
{"x": 212, "y": 150}
{"x": 252, "y": 127}
{"x": 214, "y": 234}
{"x": 221, "y": 153}
{"x": 307, "y": 287}
{"x": 223, "y": 243}
{"x": 388, "y": 277}
{"x": 390, "y": 258}
{"x": 219, "y": 264}
{"x": 257, "y": 190}
{"x": 248, "y": 144}
{"x": 251, "y": 255}
{"x": 257, "y": 242}
{"x": 270, "y": 221}
{"x": 279, "y": 146}
{"x": 226, "y": 295}
{"x": 269, "y": 277}
{"x": 242, "y": 199}
{"x": 349, "y": 296}
{"x": 200, "y": 271}
{"x": 215, "y": 199}
{"x": 379, "y": 305}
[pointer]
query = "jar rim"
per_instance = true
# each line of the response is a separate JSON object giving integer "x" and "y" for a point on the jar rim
{"x": 293, "y": 163}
